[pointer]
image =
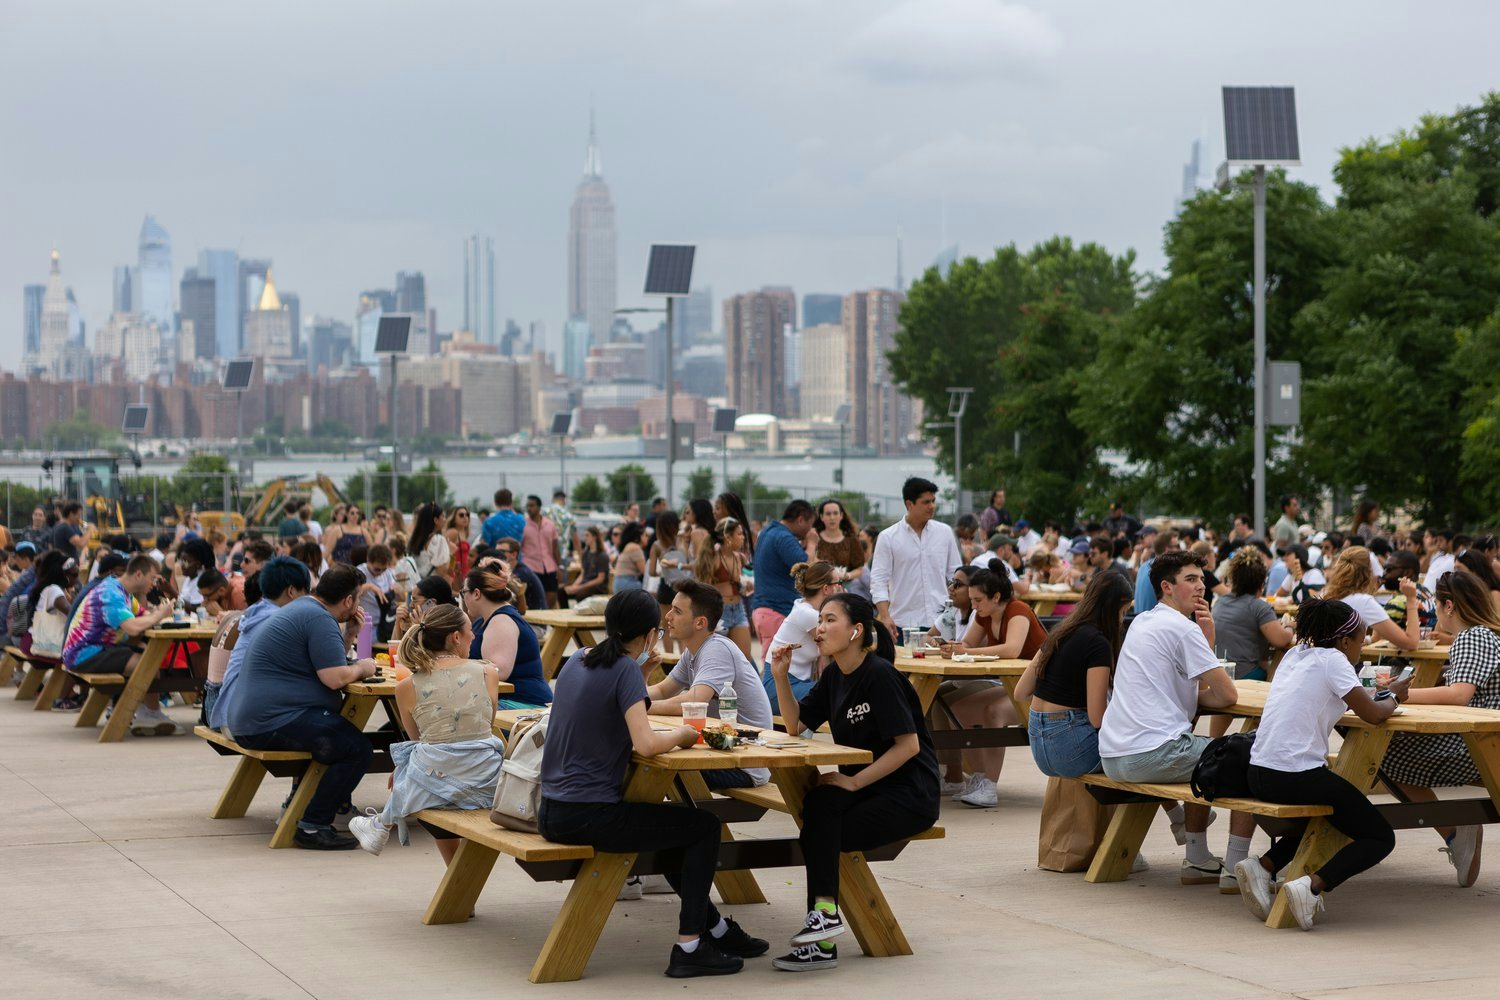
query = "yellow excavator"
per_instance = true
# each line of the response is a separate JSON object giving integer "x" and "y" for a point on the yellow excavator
{"x": 265, "y": 509}
{"x": 93, "y": 479}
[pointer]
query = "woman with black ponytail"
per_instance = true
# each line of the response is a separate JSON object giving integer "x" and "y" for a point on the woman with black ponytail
{"x": 1314, "y": 685}
{"x": 598, "y": 717}
{"x": 868, "y": 705}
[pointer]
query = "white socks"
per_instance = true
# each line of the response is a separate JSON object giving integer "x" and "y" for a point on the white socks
{"x": 1239, "y": 850}
{"x": 689, "y": 946}
{"x": 719, "y": 929}
{"x": 1176, "y": 815}
{"x": 1197, "y": 848}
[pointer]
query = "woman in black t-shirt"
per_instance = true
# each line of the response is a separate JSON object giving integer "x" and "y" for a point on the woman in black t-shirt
{"x": 868, "y": 705}
{"x": 1068, "y": 679}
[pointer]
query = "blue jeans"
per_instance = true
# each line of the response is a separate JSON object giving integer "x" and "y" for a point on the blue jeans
{"x": 799, "y": 687}
{"x": 1064, "y": 744}
{"x": 332, "y": 740}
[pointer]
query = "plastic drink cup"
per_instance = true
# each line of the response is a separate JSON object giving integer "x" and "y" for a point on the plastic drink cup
{"x": 695, "y": 714}
{"x": 1382, "y": 677}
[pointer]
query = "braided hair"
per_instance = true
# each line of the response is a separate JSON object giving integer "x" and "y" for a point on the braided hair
{"x": 1323, "y": 623}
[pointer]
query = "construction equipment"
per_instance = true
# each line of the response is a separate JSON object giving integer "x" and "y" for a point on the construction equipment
{"x": 265, "y": 507}
{"x": 93, "y": 479}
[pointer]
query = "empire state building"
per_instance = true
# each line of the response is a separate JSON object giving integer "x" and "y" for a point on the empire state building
{"x": 591, "y": 248}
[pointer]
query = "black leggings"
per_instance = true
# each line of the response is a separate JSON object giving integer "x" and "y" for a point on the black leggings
{"x": 1370, "y": 835}
{"x": 631, "y": 827}
{"x": 836, "y": 820}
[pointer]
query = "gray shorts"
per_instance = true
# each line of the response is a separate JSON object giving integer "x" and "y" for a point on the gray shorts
{"x": 1173, "y": 761}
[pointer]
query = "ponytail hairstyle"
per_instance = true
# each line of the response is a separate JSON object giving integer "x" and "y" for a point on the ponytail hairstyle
{"x": 708, "y": 553}
{"x": 429, "y": 635}
{"x": 489, "y": 586}
{"x": 811, "y": 578}
{"x": 1349, "y": 574}
{"x": 629, "y": 615}
{"x": 861, "y": 612}
{"x": 1321, "y": 623}
{"x": 736, "y": 509}
{"x": 995, "y": 582}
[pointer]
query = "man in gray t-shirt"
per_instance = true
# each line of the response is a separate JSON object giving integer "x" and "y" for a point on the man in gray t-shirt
{"x": 710, "y": 662}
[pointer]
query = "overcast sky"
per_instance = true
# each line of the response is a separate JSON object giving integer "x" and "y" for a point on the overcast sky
{"x": 788, "y": 138}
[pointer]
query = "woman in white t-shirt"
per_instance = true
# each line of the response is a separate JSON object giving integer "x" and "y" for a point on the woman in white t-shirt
{"x": 816, "y": 583}
{"x": 1314, "y": 685}
{"x": 1351, "y": 581}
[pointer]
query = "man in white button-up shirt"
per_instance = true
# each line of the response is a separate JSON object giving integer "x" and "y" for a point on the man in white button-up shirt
{"x": 914, "y": 560}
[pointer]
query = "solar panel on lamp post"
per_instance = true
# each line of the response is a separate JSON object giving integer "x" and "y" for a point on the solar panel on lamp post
{"x": 562, "y": 425}
{"x": 137, "y": 415}
{"x": 724, "y": 418}
{"x": 1260, "y": 130}
{"x": 390, "y": 338}
{"x": 669, "y": 273}
{"x": 237, "y": 375}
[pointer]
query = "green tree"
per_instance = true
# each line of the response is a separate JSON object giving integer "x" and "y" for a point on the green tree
{"x": 631, "y": 483}
{"x": 199, "y": 482}
{"x": 1479, "y": 355}
{"x": 700, "y": 483}
{"x": 588, "y": 490}
{"x": 1170, "y": 388}
{"x": 862, "y": 510}
{"x": 1017, "y": 328}
{"x": 761, "y": 502}
{"x": 425, "y": 484}
{"x": 79, "y": 433}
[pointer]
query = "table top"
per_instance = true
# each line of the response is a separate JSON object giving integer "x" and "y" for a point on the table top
{"x": 1412, "y": 718}
{"x": 786, "y": 751}
{"x": 1036, "y": 596}
{"x": 382, "y": 686}
{"x": 195, "y": 631}
{"x": 1427, "y": 652}
{"x": 564, "y": 617}
{"x": 934, "y": 664}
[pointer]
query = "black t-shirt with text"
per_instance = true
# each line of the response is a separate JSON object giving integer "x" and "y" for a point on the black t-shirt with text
{"x": 1064, "y": 679}
{"x": 869, "y": 709}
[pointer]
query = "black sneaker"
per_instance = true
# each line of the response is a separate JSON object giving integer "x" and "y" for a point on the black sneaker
{"x": 736, "y": 942}
{"x": 808, "y": 958}
{"x": 705, "y": 960}
{"x": 820, "y": 926}
{"x": 324, "y": 840}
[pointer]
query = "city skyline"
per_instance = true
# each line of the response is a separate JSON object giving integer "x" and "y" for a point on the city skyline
{"x": 792, "y": 171}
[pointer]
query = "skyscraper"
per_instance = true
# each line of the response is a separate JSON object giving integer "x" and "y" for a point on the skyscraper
{"x": 818, "y": 309}
{"x": 693, "y": 318}
{"x": 268, "y": 328}
{"x": 1192, "y": 176}
{"x": 372, "y": 305}
{"x": 591, "y": 247}
{"x": 825, "y": 371}
{"x": 31, "y": 316}
{"x": 576, "y": 340}
{"x": 479, "y": 288}
{"x": 223, "y": 268}
{"x": 328, "y": 343}
{"x": 880, "y": 414}
{"x": 199, "y": 298}
{"x": 54, "y": 335}
{"x": 755, "y": 326}
{"x": 252, "y": 281}
{"x": 121, "y": 300}
{"x": 153, "y": 276}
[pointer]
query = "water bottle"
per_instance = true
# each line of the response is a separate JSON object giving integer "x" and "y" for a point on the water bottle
{"x": 365, "y": 643}
{"x": 729, "y": 705}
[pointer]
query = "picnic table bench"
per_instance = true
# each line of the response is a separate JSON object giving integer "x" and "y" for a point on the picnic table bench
{"x": 596, "y": 878}
{"x": 34, "y": 671}
{"x": 146, "y": 678}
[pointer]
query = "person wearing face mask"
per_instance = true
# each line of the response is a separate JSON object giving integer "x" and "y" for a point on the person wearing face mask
{"x": 288, "y": 699}
{"x": 598, "y": 718}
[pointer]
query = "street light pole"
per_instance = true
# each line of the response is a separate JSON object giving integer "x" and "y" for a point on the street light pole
{"x": 958, "y": 402}
{"x": 395, "y": 460}
{"x": 671, "y": 417}
{"x": 1260, "y": 349}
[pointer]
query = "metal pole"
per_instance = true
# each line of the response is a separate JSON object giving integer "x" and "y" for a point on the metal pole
{"x": 395, "y": 462}
{"x": 724, "y": 452}
{"x": 671, "y": 416}
{"x": 843, "y": 484}
{"x": 1260, "y": 350}
{"x": 958, "y": 464}
{"x": 562, "y": 462}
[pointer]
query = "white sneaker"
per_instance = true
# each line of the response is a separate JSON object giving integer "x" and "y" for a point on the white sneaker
{"x": 631, "y": 889}
{"x": 1463, "y": 853}
{"x": 984, "y": 794}
{"x": 656, "y": 885}
{"x": 952, "y": 788}
{"x": 1205, "y": 874}
{"x": 1257, "y": 888}
{"x": 152, "y": 722}
{"x": 1179, "y": 827}
{"x": 1228, "y": 884}
{"x": 369, "y": 831}
{"x": 1140, "y": 864}
{"x": 1305, "y": 904}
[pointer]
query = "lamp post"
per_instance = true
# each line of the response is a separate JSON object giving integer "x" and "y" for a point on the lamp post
{"x": 841, "y": 417}
{"x": 669, "y": 273}
{"x": 390, "y": 338}
{"x": 958, "y": 402}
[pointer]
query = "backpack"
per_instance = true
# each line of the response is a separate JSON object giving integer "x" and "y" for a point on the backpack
{"x": 518, "y": 795}
{"x": 1224, "y": 769}
{"x": 18, "y": 616}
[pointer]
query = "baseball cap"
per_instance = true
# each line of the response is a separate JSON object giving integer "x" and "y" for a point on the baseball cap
{"x": 1149, "y": 529}
{"x": 996, "y": 541}
{"x": 1023, "y": 523}
{"x": 25, "y": 549}
{"x": 1080, "y": 547}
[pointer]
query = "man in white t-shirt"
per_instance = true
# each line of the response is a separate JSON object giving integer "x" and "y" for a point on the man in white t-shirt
{"x": 1166, "y": 670}
{"x": 1438, "y": 541}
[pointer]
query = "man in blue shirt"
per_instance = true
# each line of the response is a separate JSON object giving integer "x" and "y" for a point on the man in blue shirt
{"x": 509, "y": 552}
{"x": 288, "y": 697}
{"x": 1145, "y": 592}
{"x": 506, "y": 522}
{"x": 21, "y": 565}
{"x": 777, "y": 550}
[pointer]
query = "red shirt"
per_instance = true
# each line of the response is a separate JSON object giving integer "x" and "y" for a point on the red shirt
{"x": 539, "y": 545}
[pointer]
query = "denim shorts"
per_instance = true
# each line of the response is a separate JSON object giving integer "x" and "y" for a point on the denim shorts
{"x": 1173, "y": 761}
{"x": 1064, "y": 744}
{"x": 734, "y": 616}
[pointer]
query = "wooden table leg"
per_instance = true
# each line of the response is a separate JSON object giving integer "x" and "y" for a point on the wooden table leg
{"x": 1122, "y": 841}
{"x": 1359, "y": 764}
{"x": 860, "y": 901}
{"x": 52, "y": 690}
{"x": 553, "y": 647}
{"x": 357, "y": 709}
{"x": 1485, "y": 749}
{"x": 1426, "y": 673}
{"x": 136, "y": 686}
{"x": 926, "y": 686}
{"x": 735, "y": 887}
{"x": 1044, "y": 608}
{"x": 8, "y": 665}
{"x": 93, "y": 707}
{"x": 240, "y": 792}
{"x": 579, "y": 923}
{"x": 461, "y": 884}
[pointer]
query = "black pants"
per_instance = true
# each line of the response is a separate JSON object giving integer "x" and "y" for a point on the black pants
{"x": 1370, "y": 835}
{"x": 332, "y": 740}
{"x": 631, "y": 827}
{"x": 836, "y": 820}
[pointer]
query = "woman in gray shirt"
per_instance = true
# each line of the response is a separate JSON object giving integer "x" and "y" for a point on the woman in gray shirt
{"x": 1245, "y": 626}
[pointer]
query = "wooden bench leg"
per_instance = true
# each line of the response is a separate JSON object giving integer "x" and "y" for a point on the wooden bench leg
{"x": 93, "y": 707}
{"x": 240, "y": 792}
{"x": 8, "y": 667}
{"x": 31, "y": 682}
{"x": 735, "y": 887}
{"x": 865, "y": 907}
{"x": 1122, "y": 842}
{"x": 286, "y": 827}
{"x": 576, "y": 930}
{"x": 461, "y": 884}
{"x": 51, "y": 691}
{"x": 552, "y": 649}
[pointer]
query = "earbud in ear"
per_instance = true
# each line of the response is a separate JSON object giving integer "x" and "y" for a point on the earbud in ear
{"x": 853, "y": 636}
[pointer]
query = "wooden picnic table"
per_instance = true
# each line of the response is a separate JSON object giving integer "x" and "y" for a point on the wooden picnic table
{"x": 563, "y": 627}
{"x": 596, "y": 881}
{"x": 160, "y": 642}
{"x": 1427, "y": 661}
{"x": 1359, "y": 761}
{"x": 1043, "y": 602}
{"x": 927, "y": 675}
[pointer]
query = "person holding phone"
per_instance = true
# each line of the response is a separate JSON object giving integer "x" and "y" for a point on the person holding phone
{"x": 1316, "y": 682}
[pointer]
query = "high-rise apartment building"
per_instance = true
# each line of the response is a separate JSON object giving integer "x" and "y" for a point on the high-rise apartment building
{"x": 31, "y": 316}
{"x": 576, "y": 341}
{"x": 223, "y": 268}
{"x": 755, "y": 326}
{"x": 198, "y": 296}
{"x": 152, "y": 296}
{"x": 479, "y": 288}
{"x": 881, "y": 415}
{"x": 123, "y": 289}
{"x": 818, "y": 309}
{"x": 825, "y": 371}
{"x": 591, "y": 247}
{"x": 329, "y": 343}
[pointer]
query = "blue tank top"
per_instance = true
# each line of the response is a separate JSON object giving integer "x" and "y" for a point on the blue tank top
{"x": 526, "y": 675}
